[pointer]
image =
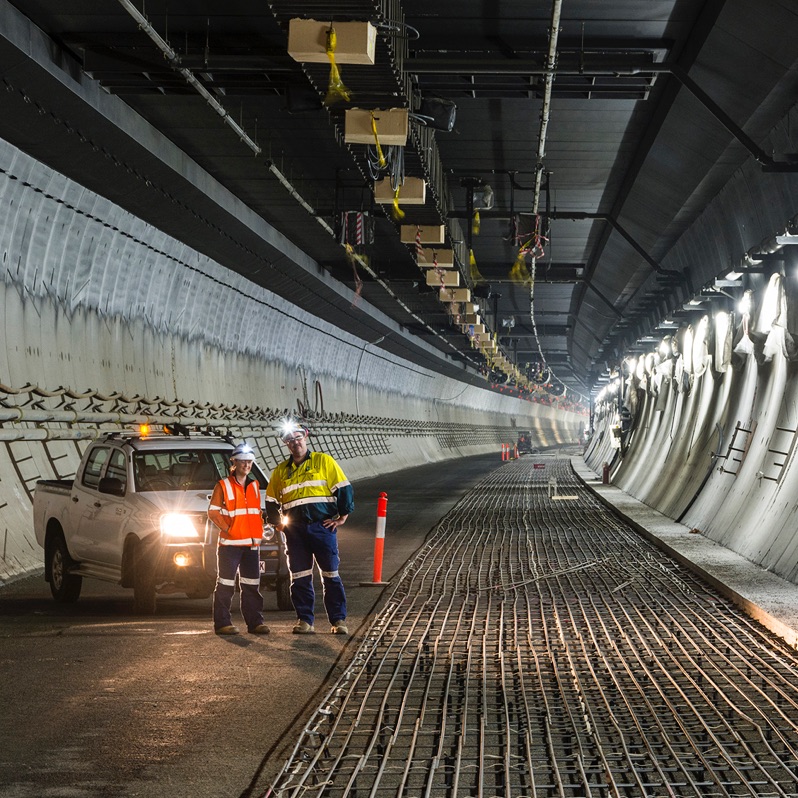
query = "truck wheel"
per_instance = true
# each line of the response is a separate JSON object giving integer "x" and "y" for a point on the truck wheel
{"x": 143, "y": 583}
{"x": 283, "y": 588}
{"x": 64, "y": 586}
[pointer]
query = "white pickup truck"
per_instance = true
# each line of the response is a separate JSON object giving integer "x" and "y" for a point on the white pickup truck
{"x": 136, "y": 515}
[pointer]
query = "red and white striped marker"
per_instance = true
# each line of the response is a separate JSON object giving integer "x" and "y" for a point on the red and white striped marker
{"x": 359, "y": 228}
{"x": 379, "y": 541}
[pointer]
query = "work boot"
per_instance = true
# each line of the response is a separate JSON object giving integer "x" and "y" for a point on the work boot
{"x": 303, "y": 628}
{"x": 339, "y": 628}
{"x": 227, "y": 630}
{"x": 260, "y": 629}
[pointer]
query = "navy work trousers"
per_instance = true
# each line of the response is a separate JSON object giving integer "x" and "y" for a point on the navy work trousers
{"x": 306, "y": 542}
{"x": 245, "y": 561}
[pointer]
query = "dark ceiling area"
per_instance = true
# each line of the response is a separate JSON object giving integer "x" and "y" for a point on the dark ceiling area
{"x": 587, "y": 139}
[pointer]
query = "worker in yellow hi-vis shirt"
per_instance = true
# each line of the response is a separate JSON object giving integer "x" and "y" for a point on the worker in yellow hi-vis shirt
{"x": 309, "y": 497}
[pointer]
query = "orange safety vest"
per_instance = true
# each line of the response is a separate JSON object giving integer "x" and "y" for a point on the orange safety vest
{"x": 237, "y": 512}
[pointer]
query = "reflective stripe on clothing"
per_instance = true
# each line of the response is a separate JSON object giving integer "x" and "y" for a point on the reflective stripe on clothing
{"x": 310, "y": 500}
{"x": 241, "y": 511}
{"x": 251, "y": 542}
{"x": 299, "y": 485}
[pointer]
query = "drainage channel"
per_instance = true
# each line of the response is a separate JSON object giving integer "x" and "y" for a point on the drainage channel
{"x": 537, "y": 646}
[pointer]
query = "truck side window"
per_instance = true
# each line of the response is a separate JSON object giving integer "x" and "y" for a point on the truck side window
{"x": 94, "y": 466}
{"x": 117, "y": 467}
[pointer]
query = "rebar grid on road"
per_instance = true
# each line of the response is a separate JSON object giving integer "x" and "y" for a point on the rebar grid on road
{"x": 537, "y": 646}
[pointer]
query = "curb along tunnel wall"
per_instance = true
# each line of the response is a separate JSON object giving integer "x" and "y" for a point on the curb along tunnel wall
{"x": 106, "y": 317}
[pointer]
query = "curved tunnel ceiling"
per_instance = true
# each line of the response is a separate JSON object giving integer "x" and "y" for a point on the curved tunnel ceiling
{"x": 608, "y": 154}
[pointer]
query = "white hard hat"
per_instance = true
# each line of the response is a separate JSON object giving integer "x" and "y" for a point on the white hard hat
{"x": 243, "y": 452}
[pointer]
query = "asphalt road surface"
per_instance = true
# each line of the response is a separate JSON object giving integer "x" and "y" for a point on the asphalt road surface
{"x": 96, "y": 701}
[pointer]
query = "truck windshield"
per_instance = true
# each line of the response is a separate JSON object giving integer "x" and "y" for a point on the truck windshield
{"x": 182, "y": 469}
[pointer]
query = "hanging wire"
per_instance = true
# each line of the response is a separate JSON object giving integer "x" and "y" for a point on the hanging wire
{"x": 402, "y": 29}
{"x": 394, "y": 157}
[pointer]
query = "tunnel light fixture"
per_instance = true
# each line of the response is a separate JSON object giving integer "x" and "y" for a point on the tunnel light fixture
{"x": 769, "y": 311}
{"x": 723, "y": 332}
{"x": 687, "y": 350}
{"x": 699, "y": 354}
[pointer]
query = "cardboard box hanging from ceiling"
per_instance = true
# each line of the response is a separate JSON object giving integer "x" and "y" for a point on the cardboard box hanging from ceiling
{"x": 455, "y": 294}
{"x": 445, "y": 278}
{"x": 392, "y": 126}
{"x": 355, "y": 43}
{"x": 440, "y": 257}
{"x": 430, "y": 233}
{"x": 412, "y": 192}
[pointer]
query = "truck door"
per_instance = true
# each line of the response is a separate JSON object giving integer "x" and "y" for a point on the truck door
{"x": 104, "y": 521}
{"x": 82, "y": 503}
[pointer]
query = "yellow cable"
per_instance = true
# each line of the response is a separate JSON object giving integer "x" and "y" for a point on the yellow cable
{"x": 397, "y": 212}
{"x": 335, "y": 89}
{"x": 377, "y": 141}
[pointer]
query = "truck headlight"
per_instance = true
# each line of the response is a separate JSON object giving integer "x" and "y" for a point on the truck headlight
{"x": 178, "y": 525}
{"x": 268, "y": 532}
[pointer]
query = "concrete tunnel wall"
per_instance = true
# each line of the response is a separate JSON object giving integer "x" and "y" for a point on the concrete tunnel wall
{"x": 108, "y": 321}
{"x": 714, "y": 432}
{"x": 714, "y": 426}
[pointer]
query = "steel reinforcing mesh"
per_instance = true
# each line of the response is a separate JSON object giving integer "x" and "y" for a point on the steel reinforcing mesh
{"x": 537, "y": 646}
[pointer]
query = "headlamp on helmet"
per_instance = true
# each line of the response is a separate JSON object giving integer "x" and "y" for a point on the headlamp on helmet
{"x": 289, "y": 429}
{"x": 243, "y": 452}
